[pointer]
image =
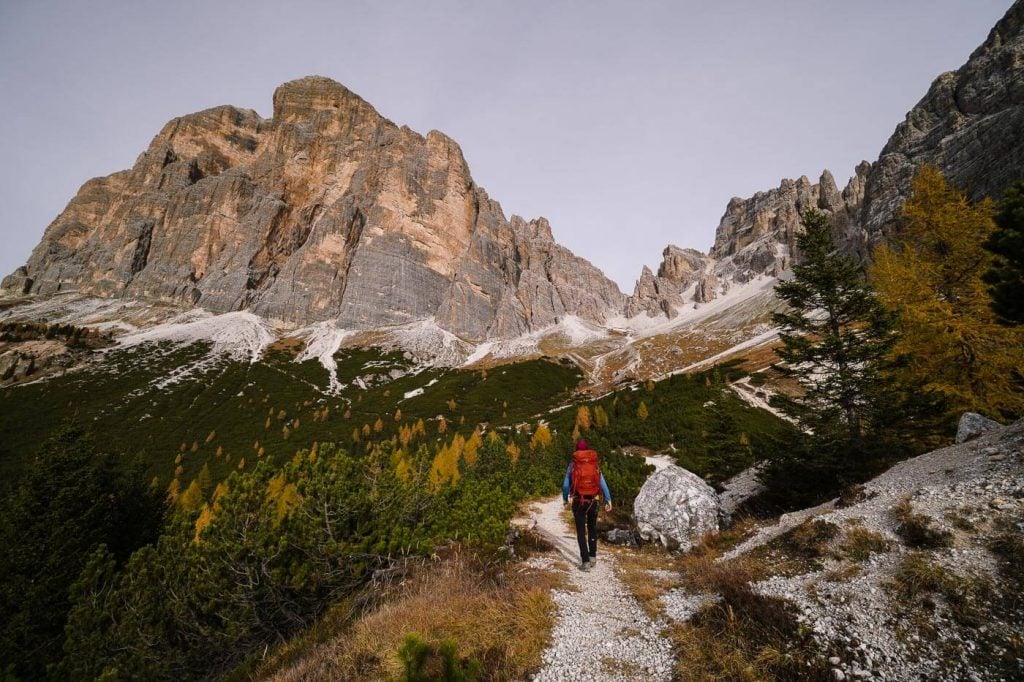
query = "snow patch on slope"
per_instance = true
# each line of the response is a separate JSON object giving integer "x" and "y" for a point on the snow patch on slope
{"x": 322, "y": 341}
{"x": 239, "y": 335}
{"x": 70, "y": 308}
{"x": 753, "y": 397}
{"x": 572, "y": 329}
{"x": 642, "y": 325}
{"x": 425, "y": 339}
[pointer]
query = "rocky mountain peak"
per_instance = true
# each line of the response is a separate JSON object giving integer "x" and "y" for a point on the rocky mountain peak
{"x": 679, "y": 265}
{"x": 970, "y": 125}
{"x": 303, "y": 98}
{"x": 327, "y": 211}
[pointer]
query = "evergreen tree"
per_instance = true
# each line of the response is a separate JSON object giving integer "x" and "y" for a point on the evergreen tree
{"x": 73, "y": 500}
{"x": 1006, "y": 275}
{"x": 836, "y": 337}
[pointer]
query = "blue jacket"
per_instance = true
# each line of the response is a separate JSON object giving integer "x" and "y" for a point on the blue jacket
{"x": 565, "y": 486}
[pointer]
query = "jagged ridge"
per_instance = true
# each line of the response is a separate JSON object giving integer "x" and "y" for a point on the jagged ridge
{"x": 327, "y": 211}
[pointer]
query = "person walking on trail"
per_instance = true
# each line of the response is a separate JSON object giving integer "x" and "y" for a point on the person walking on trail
{"x": 584, "y": 482}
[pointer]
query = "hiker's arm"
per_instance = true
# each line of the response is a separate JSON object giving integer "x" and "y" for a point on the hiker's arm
{"x": 565, "y": 483}
{"x": 604, "y": 491}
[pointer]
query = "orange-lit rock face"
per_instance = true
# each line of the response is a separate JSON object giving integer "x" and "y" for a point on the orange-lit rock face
{"x": 325, "y": 211}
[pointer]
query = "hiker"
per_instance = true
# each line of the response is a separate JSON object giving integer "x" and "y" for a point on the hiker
{"x": 584, "y": 482}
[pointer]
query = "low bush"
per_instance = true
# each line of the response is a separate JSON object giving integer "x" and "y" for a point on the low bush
{"x": 424, "y": 662}
{"x": 918, "y": 531}
{"x": 746, "y": 636}
{"x": 810, "y": 539}
{"x": 859, "y": 543}
{"x": 1008, "y": 546}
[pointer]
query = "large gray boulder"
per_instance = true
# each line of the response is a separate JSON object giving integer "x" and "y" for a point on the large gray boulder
{"x": 973, "y": 425}
{"x": 676, "y": 507}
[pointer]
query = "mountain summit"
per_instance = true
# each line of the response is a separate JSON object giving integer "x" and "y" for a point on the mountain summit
{"x": 326, "y": 211}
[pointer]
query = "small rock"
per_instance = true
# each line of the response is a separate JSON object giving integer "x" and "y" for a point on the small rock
{"x": 838, "y": 674}
{"x": 620, "y": 536}
{"x": 834, "y": 660}
{"x": 973, "y": 425}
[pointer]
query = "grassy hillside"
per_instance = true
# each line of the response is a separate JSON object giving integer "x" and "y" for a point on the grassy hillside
{"x": 164, "y": 402}
{"x": 315, "y": 491}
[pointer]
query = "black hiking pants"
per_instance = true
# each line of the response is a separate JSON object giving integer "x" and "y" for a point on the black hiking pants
{"x": 584, "y": 511}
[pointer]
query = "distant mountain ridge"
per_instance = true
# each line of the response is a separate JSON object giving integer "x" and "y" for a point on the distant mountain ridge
{"x": 970, "y": 125}
{"x": 328, "y": 212}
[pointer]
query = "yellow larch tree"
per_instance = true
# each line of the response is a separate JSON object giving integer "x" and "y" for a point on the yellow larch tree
{"x": 583, "y": 418}
{"x": 192, "y": 499}
{"x": 541, "y": 437}
{"x": 472, "y": 446}
{"x": 513, "y": 452}
{"x": 930, "y": 275}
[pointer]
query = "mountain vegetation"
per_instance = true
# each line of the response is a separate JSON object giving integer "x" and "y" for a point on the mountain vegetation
{"x": 837, "y": 342}
{"x": 1006, "y": 243}
{"x": 285, "y": 498}
{"x": 931, "y": 277}
{"x": 75, "y": 499}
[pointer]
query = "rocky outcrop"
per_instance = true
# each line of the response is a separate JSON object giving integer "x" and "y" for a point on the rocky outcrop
{"x": 680, "y": 265}
{"x": 970, "y": 125}
{"x": 972, "y": 425}
{"x": 676, "y": 507}
{"x": 325, "y": 211}
{"x": 706, "y": 288}
{"x": 654, "y": 295}
{"x": 757, "y": 236}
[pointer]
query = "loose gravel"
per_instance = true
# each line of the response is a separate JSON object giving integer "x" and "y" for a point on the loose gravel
{"x": 867, "y": 633}
{"x": 601, "y": 632}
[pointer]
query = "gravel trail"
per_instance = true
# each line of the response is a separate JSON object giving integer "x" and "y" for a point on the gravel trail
{"x": 601, "y": 632}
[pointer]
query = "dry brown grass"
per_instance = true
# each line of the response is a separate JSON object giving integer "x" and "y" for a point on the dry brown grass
{"x": 859, "y": 543}
{"x": 918, "y": 530}
{"x": 633, "y": 568}
{"x": 499, "y": 616}
{"x": 745, "y": 636}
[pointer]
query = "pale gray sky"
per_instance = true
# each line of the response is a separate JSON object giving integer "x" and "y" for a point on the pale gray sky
{"x": 628, "y": 124}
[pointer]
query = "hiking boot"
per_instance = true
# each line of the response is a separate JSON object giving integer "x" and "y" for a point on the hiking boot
{"x": 593, "y": 561}
{"x": 585, "y": 566}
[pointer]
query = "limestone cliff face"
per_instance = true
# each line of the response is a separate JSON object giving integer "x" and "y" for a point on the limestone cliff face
{"x": 970, "y": 125}
{"x": 757, "y": 236}
{"x": 325, "y": 211}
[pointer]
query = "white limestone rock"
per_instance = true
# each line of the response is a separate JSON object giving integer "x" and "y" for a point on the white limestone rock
{"x": 676, "y": 507}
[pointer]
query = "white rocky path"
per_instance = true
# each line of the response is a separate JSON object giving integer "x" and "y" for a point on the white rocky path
{"x": 601, "y": 632}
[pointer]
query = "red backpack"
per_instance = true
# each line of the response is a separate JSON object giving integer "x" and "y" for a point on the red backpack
{"x": 586, "y": 474}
